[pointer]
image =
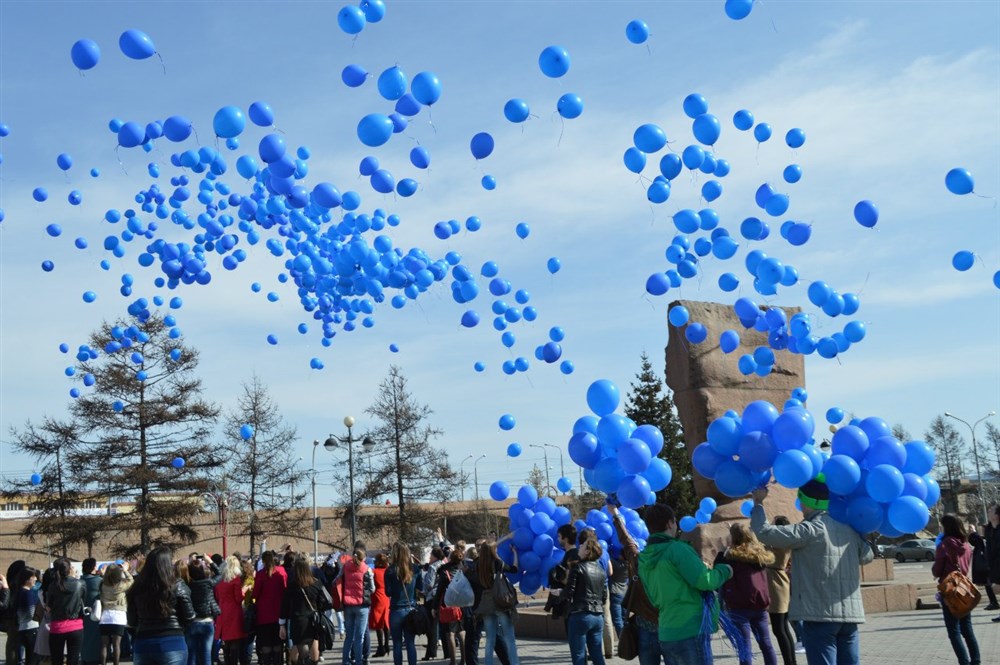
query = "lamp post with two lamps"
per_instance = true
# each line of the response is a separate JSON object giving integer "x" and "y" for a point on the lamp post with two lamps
{"x": 975, "y": 455}
{"x": 368, "y": 444}
{"x": 475, "y": 473}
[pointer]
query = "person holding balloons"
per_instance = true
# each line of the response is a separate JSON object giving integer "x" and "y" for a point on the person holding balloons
{"x": 675, "y": 579}
{"x": 636, "y": 601}
{"x": 826, "y": 574}
{"x": 587, "y": 594}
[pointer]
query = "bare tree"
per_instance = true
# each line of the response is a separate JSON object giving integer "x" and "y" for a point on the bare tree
{"x": 901, "y": 433}
{"x": 949, "y": 449}
{"x": 255, "y": 466}
{"x": 404, "y": 463}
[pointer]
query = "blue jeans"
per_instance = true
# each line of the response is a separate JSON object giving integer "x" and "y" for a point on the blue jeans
{"x": 490, "y": 624}
{"x": 957, "y": 630}
{"x": 617, "y": 616}
{"x": 199, "y": 635}
{"x": 355, "y": 627}
{"x": 753, "y": 624}
{"x": 692, "y": 651}
{"x": 159, "y": 651}
{"x": 829, "y": 643}
{"x": 649, "y": 647}
{"x": 399, "y": 635}
{"x": 585, "y": 632}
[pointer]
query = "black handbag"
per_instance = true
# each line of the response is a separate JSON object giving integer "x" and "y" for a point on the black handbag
{"x": 504, "y": 595}
{"x": 320, "y": 625}
{"x": 418, "y": 620}
{"x": 250, "y": 618}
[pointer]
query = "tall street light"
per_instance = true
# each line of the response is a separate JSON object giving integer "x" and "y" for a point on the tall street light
{"x": 545, "y": 456}
{"x": 315, "y": 517}
{"x": 562, "y": 464}
{"x": 461, "y": 488}
{"x": 475, "y": 473}
{"x": 975, "y": 454}
{"x": 368, "y": 444}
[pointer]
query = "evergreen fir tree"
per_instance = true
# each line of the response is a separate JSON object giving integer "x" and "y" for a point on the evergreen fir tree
{"x": 650, "y": 402}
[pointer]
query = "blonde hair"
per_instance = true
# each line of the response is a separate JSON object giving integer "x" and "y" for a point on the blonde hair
{"x": 401, "y": 561}
{"x": 233, "y": 568}
{"x": 745, "y": 542}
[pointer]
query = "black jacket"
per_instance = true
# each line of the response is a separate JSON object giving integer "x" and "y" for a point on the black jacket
{"x": 587, "y": 587}
{"x": 145, "y": 616}
{"x": 65, "y": 603}
{"x": 203, "y": 598}
{"x": 993, "y": 552}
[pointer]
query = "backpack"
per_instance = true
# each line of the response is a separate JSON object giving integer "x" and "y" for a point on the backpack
{"x": 959, "y": 594}
{"x": 447, "y": 613}
{"x": 459, "y": 592}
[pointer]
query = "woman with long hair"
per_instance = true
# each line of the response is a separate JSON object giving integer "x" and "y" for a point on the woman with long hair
{"x": 229, "y": 595}
{"x": 400, "y": 587}
{"x": 586, "y": 593}
{"x": 159, "y": 607}
{"x": 200, "y": 633}
{"x": 303, "y": 598}
{"x": 356, "y": 587}
{"x": 116, "y": 583}
{"x": 450, "y": 618}
{"x": 378, "y": 614}
{"x": 64, "y": 598}
{"x": 780, "y": 589}
{"x": 8, "y": 618}
{"x": 269, "y": 586}
{"x": 954, "y": 553}
{"x": 24, "y": 603}
{"x": 746, "y": 593}
{"x": 488, "y": 565}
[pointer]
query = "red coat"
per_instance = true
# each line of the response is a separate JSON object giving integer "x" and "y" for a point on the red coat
{"x": 378, "y": 615}
{"x": 230, "y": 598}
{"x": 268, "y": 591}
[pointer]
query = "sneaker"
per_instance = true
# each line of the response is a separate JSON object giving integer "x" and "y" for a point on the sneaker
{"x": 992, "y": 606}
{"x": 996, "y": 620}
{"x": 799, "y": 648}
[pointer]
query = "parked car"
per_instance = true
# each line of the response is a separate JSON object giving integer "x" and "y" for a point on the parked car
{"x": 918, "y": 550}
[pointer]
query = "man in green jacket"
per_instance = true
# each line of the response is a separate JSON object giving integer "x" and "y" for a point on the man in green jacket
{"x": 675, "y": 579}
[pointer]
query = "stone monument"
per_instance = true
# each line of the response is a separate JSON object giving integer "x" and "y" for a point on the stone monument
{"x": 706, "y": 383}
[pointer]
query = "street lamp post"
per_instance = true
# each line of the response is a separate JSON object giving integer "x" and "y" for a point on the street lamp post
{"x": 562, "y": 464}
{"x": 475, "y": 473}
{"x": 545, "y": 456}
{"x": 975, "y": 455}
{"x": 461, "y": 488}
{"x": 315, "y": 517}
{"x": 221, "y": 498}
{"x": 367, "y": 443}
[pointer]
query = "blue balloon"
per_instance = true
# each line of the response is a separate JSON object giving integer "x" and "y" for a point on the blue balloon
{"x": 392, "y": 83}
{"x": 762, "y": 132}
{"x": 374, "y": 10}
{"x": 527, "y": 496}
{"x": 959, "y": 181}
{"x": 499, "y": 491}
{"x": 570, "y": 106}
{"x": 693, "y": 156}
{"x": 354, "y": 76}
{"x": 792, "y": 173}
{"x": 408, "y": 105}
{"x": 842, "y": 474}
{"x": 851, "y": 441}
{"x": 743, "y": 120}
{"x": 136, "y": 44}
{"x": 246, "y": 431}
{"x": 507, "y": 422}
{"x": 554, "y": 61}
{"x": 425, "y": 88}
{"x": 706, "y": 461}
{"x": 795, "y": 138}
{"x": 963, "y": 260}
{"x": 864, "y": 514}
{"x": 351, "y": 19}
{"x": 177, "y": 462}
{"x": 729, "y": 341}
{"x": 85, "y": 54}
{"x": 711, "y": 190}
{"x": 695, "y": 105}
{"x": 886, "y": 450}
{"x": 733, "y": 479}
{"x": 564, "y": 485}
{"x": 637, "y": 31}
{"x": 908, "y": 514}
{"x": 603, "y": 397}
{"x": 514, "y": 450}
{"x": 793, "y": 468}
{"x": 229, "y": 122}
{"x": 584, "y": 449}
{"x": 633, "y": 491}
{"x": 271, "y": 148}
{"x": 658, "y": 474}
{"x": 261, "y": 114}
{"x": 634, "y": 456}
{"x": 635, "y": 160}
{"x": 738, "y": 9}
{"x": 678, "y": 315}
{"x": 671, "y": 165}
{"x": 481, "y": 145}
{"x": 706, "y": 129}
{"x": 884, "y": 483}
{"x": 759, "y": 416}
{"x": 757, "y": 451}
{"x": 420, "y": 158}
{"x": 919, "y": 459}
{"x": 649, "y": 138}
{"x": 866, "y": 214}
{"x": 375, "y": 129}
{"x": 131, "y": 134}
{"x": 688, "y": 524}
{"x": 516, "y": 110}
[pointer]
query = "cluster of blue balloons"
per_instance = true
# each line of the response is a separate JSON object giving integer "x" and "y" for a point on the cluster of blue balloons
{"x": 706, "y": 508}
{"x": 135, "y": 44}
{"x": 617, "y": 456}
{"x": 353, "y": 19}
{"x": 534, "y": 523}
{"x": 876, "y": 482}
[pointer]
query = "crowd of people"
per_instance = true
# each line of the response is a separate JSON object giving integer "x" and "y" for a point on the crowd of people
{"x": 799, "y": 582}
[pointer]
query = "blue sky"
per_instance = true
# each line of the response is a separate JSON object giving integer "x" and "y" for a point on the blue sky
{"x": 891, "y": 95}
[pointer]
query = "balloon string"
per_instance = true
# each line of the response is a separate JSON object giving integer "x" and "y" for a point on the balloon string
{"x": 196, "y": 137}
{"x": 119, "y": 158}
{"x": 430, "y": 119}
{"x": 162, "y": 64}
{"x": 562, "y": 128}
